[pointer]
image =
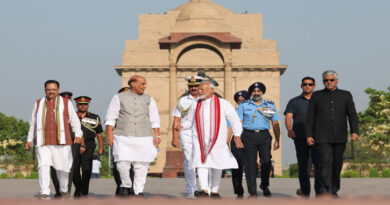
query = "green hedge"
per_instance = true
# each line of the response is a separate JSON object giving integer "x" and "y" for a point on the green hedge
{"x": 386, "y": 173}
{"x": 4, "y": 176}
{"x": 19, "y": 175}
{"x": 350, "y": 174}
{"x": 373, "y": 173}
{"x": 33, "y": 175}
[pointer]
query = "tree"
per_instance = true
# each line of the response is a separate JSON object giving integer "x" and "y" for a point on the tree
{"x": 375, "y": 123}
{"x": 13, "y": 133}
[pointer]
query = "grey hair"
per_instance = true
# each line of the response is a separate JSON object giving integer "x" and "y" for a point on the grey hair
{"x": 211, "y": 85}
{"x": 329, "y": 72}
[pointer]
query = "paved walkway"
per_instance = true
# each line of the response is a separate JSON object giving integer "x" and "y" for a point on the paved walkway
{"x": 172, "y": 188}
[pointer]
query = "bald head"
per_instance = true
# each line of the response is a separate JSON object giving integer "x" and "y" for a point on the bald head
{"x": 137, "y": 84}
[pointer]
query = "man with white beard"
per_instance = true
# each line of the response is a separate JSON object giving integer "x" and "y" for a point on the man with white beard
{"x": 211, "y": 153}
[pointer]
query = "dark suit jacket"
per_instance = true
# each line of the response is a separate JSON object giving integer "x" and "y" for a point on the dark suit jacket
{"x": 328, "y": 114}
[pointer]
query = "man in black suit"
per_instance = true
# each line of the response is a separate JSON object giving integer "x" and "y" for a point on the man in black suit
{"x": 326, "y": 125}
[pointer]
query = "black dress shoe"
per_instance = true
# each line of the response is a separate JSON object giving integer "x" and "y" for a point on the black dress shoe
{"x": 117, "y": 191}
{"x": 57, "y": 195}
{"x": 131, "y": 191}
{"x": 335, "y": 195}
{"x": 201, "y": 194}
{"x": 123, "y": 192}
{"x": 266, "y": 191}
{"x": 77, "y": 194}
{"x": 215, "y": 195}
{"x": 140, "y": 195}
{"x": 253, "y": 196}
{"x": 240, "y": 196}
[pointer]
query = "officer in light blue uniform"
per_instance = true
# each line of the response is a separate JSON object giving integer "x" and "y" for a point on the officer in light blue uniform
{"x": 257, "y": 114}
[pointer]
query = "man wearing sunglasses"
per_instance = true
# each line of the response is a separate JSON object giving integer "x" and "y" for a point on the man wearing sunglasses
{"x": 295, "y": 119}
{"x": 326, "y": 126}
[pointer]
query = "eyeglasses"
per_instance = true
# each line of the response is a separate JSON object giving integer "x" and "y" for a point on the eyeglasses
{"x": 329, "y": 80}
{"x": 307, "y": 84}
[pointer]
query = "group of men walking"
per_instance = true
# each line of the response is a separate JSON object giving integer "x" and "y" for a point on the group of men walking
{"x": 319, "y": 130}
{"x": 204, "y": 126}
{"x": 65, "y": 141}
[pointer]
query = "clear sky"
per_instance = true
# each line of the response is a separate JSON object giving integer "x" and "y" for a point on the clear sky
{"x": 78, "y": 42}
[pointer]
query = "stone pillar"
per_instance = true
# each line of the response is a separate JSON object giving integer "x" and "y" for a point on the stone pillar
{"x": 228, "y": 82}
{"x": 174, "y": 157}
{"x": 172, "y": 90}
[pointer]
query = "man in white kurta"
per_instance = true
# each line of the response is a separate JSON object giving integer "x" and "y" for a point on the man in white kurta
{"x": 211, "y": 153}
{"x": 134, "y": 115}
{"x": 49, "y": 129}
{"x": 182, "y": 117}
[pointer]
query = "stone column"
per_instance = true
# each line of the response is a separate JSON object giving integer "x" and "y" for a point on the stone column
{"x": 174, "y": 157}
{"x": 172, "y": 90}
{"x": 228, "y": 82}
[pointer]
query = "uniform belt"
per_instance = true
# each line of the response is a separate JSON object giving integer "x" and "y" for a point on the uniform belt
{"x": 256, "y": 131}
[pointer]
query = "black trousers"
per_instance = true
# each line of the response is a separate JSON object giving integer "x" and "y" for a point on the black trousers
{"x": 81, "y": 182}
{"x": 306, "y": 157}
{"x": 257, "y": 142}
{"x": 237, "y": 173}
{"x": 331, "y": 163}
{"x": 53, "y": 172}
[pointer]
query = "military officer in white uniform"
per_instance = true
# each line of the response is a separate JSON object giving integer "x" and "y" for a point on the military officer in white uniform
{"x": 181, "y": 118}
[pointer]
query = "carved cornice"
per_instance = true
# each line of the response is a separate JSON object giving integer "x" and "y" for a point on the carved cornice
{"x": 165, "y": 68}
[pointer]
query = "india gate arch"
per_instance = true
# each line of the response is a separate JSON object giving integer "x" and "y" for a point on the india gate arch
{"x": 199, "y": 36}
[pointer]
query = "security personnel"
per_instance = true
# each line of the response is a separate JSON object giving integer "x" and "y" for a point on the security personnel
{"x": 91, "y": 127}
{"x": 53, "y": 172}
{"x": 239, "y": 97}
{"x": 181, "y": 117}
{"x": 256, "y": 115}
{"x": 115, "y": 172}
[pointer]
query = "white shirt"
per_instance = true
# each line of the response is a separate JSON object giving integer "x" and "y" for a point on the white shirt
{"x": 182, "y": 105}
{"x": 73, "y": 120}
{"x": 115, "y": 105}
{"x": 96, "y": 165}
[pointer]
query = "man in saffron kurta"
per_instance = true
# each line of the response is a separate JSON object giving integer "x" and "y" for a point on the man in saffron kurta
{"x": 49, "y": 129}
{"x": 211, "y": 153}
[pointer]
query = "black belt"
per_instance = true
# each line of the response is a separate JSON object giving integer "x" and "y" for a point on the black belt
{"x": 255, "y": 131}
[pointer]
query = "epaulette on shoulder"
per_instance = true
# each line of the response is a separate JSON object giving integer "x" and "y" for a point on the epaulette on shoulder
{"x": 246, "y": 101}
{"x": 269, "y": 102}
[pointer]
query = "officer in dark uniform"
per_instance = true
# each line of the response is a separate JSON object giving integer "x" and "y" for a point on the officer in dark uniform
{"x": 256, "y": 115}
{"x": 91, "y": 127}
{"x": 115, "y": 172}
{"x": 53, "y": 172}
{"x": 237, "y": 174}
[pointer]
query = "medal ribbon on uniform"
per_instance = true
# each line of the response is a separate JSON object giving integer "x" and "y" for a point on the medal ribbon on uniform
{"x": 215, "y": 120}
{"x": 267, "y": 115}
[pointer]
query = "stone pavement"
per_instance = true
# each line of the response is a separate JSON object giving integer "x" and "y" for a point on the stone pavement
{"x": 172, "y": 188}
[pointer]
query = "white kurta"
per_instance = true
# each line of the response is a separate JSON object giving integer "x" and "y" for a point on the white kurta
{"x": 58, "y": 156}
{"x": 133, "y": 148}
{"x": 220, "y": 156}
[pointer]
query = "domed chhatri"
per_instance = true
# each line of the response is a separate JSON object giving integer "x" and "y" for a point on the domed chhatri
{"x": 200, "y": 16}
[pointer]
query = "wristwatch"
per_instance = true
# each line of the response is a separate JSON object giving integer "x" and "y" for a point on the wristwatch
{"x": 159, "y": 137}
